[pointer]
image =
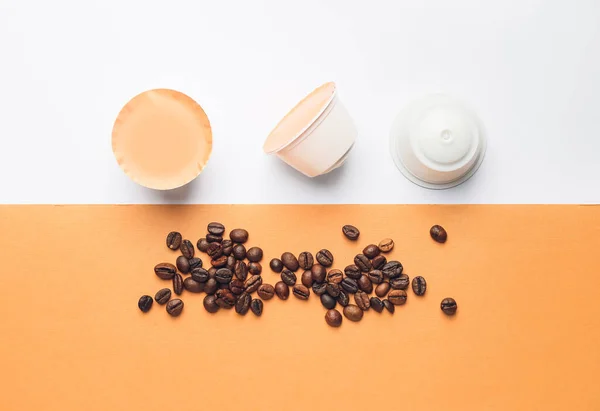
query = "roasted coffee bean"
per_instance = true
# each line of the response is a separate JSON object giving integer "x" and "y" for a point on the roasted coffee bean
{"x": 252, "y": 283}
{"x": 365, "y": 284}
{"x": 353, "y": 313}
{"x": 306, "y": 278}
{"x": 282, "y": 290}
{"x": 362, "y": 300}
{"x": 254, "y": 254}
{"x": 214, "y": 250}
{"x": 231, "y": 263}
{"x": 448, "y": 306}
{"x": 239, "y": 251}
{"x": 288, "y": 277}
{"x": 400, "y": 283}
{"x": 353, "y": 272}
{"x": 376, "y": 304}
{"x": 243, "y": 304}
{"x": 301, "y": 292}
{"x": 162, "y": 296}
{"x": 333, "y": 289}
{"x": 241, "y": 270}
{"x": 202, "y": 245}
{"x": 379, "y": 262}
{"x": 193, "y": 286}
{"x": 165, "y": 271}
{"x": 236, "y": 286}
{"x": 389, "y": 306}
{"x": 219, "y": 262}
{"x": 175, "y": 307}
{"x": 328, "y": 301}
{"x": 257, "y": 307}
{"x": 211, "y": 238}
{"x": 438, "y": 233}
{"x": 227, "y": 246}
{"x": 211, "y": 272}
{"x": 319, "y": 288}
{"x": 145, "y": 303}
{"x": 195, "y": 263}
{"x": 174, "y": 240}
{"x": 223, "y": 275}
{"x": 224, "y": 287}
{"x": 419, "y": 285}
{"x": 392, "y": 269}
{"x": 290, "y": 261}
{"x": 200, "y": 275}
{"x": 376, "y": 276}
{"x": 363, "y": 263}
{"x": 276, "y": 265}
{"x": 349, "y": 285}
{"x": 371, "y": 251}
{"x": 211, "y": 286}
{"x": 386, "y": 245}
{"x": 254, "y": 268}
{"x": 225, "y": 298}
{"x": 238, "y": 235}
{"x": 397, "y": 297}
{"x": 306, "y": 260}
{"x": 382, "y": 289}
{"x": 325, "y": 258}
{"x": 266, "y": 291}
{"x": 210, "y": 304}
{"x": 319, "y": 273}
{"x": 335, "y": 276}
{"x": 187, "y": 249}
{"x": 350, "y": 232}
{"x": 177, "y": 284}
{"x": 343, "y": 299}
{"x": 216, "y": 228}
{"x": 183, "y": 264}
{"x": 333, "y": 318}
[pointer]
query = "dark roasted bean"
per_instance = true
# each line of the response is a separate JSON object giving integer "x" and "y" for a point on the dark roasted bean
{"x": 301, "y": 292}
{"x": 350, "y": 232}
{"x": 211, "y": 238}
{"x": 319, "y": 273}
{"x": 419, "y": 285}
{"x": 376, "y": 304}
{"x": 257, "y": 307}
{"x": 365, "y": 284}
{"x": 328, "y": 301}
{"x": 239, "y": 235}
{"x": 266, "y": 291}
{"x": 389, "y": 306}
{"x": 400, "y": 283}
{"x": 162, "y": 296}
{"x": 276, "y": 265}
{"x": 254, "y": 268}
{"x": 183, "y": 264}
{"x": 343, "y": 299}
{"x": 216, "y": 228}
{"x": 241, "y": 270}
{"x": 306, "y": 278}
{"x": 227, "y": 246}
{"x": 254, "y": 254}
{"x": 306, "y": 260}
{"x": 335, "y": 276}
{"x": 353, "y": 272}
{"x": 333, "y": 318}
{"x": 319, "y": 288}
{"x": 438, "y": 233}
{"x": 288, "y": 277}
{"x": 219, "y": 262}
{"x": 214, "y": 250}
{"x": 290, "y": 261}
{"x": 325, "y": 258}
{"x": 195, "y": 263}
{"x": 225, "y": 298}
{"x": 202, "y": 245}
{"x": 448, "y": 306}
{"x": 231, "y": 263}
{"x": 193, "y": 286}
{"x": 392, "y": 269}
{"x": 210, "y": 304}
{"x": 378, "y": 262}
{"x": 175, "y": 307}
{"x": 349, "y": 285}
{"x": 252, "y": 283}
{"x": 363, "y": 263}
{"x": 165, "y": 271}
{"x": 177, "y": 284}
{"x": 211, "y": 272}
{"x": 371, "y": 251}
{"x": 173, "y": 240}
{"x": 239, "y": 251}
{"x": 236, "y": 286}
{"x": 243, "y": 304}
{"x": 333, "y": 289}
{"x": 223, "y": 275}
{"x": 187, "y": 249}
{"x": 200, "y": 275}
{"x": 376, "y": 276}
{"x": 211, "y": 286}
{"x": 282, "y": 290}
{"x": 145, "y": 303}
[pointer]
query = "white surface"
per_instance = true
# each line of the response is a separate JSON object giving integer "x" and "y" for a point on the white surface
{"x": 530, "y": 68}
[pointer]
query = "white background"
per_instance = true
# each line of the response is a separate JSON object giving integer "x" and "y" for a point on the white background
{"x": 530, "y": 68}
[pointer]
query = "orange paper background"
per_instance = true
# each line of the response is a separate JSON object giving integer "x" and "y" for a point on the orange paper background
{"x": 526, "y": 335}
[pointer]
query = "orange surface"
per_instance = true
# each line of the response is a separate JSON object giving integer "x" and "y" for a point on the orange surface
{"x": 526, "y": 335}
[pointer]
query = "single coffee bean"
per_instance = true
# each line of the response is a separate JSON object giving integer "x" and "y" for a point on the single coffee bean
{"x": 438, "y": 233}
{"x": 353, "y": 313}
{"x": 165, "y": 271}
{"x": 177, "y": 284}
{"x": 362, "y": 300}
{"x": 328, "y": 301}
{"x": 365, "y": 284}
{"x": 252, "y": 283}
{"x": 223, "y": 275}
{"x": 343, "y": 299}
{"x": 419, "y": 285}
{"x": 214, "y": 250}
{"x": 306, "y": 260}
{"x": 211, "y": 286}
{"x": 219, "y": 262}
{"x": 389, "y": 306}
{"x": 187, "y": 249}
{"x": 231, "y": 263}
{"x": 397, "y": 297}
{"x": 254, "y": 254}
{"x": 353, "y": 272}
{"x": 349, "y": 285}
{"x": 227, "y": 246}
{"x": 301, "y": 292}
{"x": 266, "y": 291}
{"x": 319, "y": 273}
{"x": 306, "y": 278}
{"x": 376, "y": 276}
{"x": 290, "y": 261}
{"x": 350, "y": 232}
{"x": 202, "y": 245}
{"x": 400, "y": 283}
{"x": 335, "y": 276}
{"x": 212, "y": 271}
{"x": 195, "y": 263}
{"x": 319, "y": 288}
{"x": 386, "y": 245}
{"x": 239, "y": 251}
{"x": 376, "y": 304}
{"x": 333, "y": 318}
{"x": 379, "y": 262}
{"x": 145, "y": 303}
{"x": 211, "y": 238}
{"x": 200, "y": 275}
{"x": 257, "y": 307}
{"x": 288, "y": 277}
{"x": 282, "y": 290}
{"x": 382, "y": 289}
{"x": 333, "y": 289}
{"x": 392, "y": 269}
{"x": 216, "y": 228}
{"x": 175, "y": 307}
{"x": 239, "y": 235}
{"x": 193, "y": 286}
{"x": 241, "y": 270}
{"x": 276, "y": 265}
{"x": 225, "y": 299}
{"x": 210, "y": 304}
{"x": 254, "y": 268}
{"x": 363, "y": 263}
{"x": 325, "y": 258}
{"x": 236, "y": 286}
{"x": 448, "y": 306}
{"x": 174, "y": 240}
{"x": 371, "y": 251}
{"x": 243, "y": 304}
{"x": 162, "y": 296}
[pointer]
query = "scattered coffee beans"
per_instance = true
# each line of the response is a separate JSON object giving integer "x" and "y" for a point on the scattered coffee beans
{"x": 351, "y": 232}
{"x": 282, "y": 290}
{"x": 174, "y": 240}
{"x": 266, "y": 291}
{"x": 353, "y": 313}
{"x": 162, "y": 296}
{"x": 276, "y": 265}
{"x": 382, "y": 289}
{"x": 210, "y": 304}
{"x": 257, "y": 307}
{"x": 288, "y": 277}
{"x": 328, "y": 301}
{"x": 193, "y": 286}
{"x": 325, "y": 258}
{"x": 145, "y": 303}
{"x": 165, "y": 271}
{"x": 175, "y": 307}
{"x": 397, "y": 297}
{"x": 301, "y": 292}
{"x": 376, "y": 304}
{"x": 438, "y": 233}
{"x": 419, "y": 285}
{"x": 371, "y": 251}
{"x": 307, "y": 279}
{"x": 254, "y": 254}
{"x": 239, "y": 235}
{"x": 290, "y": 261}
{"x": 448, "y": 306}
{"x": 177, "y": 284}
{"x": 333, "y": 318}
{"x": 305, "y": 260}
{"x": 386, "y": 245}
